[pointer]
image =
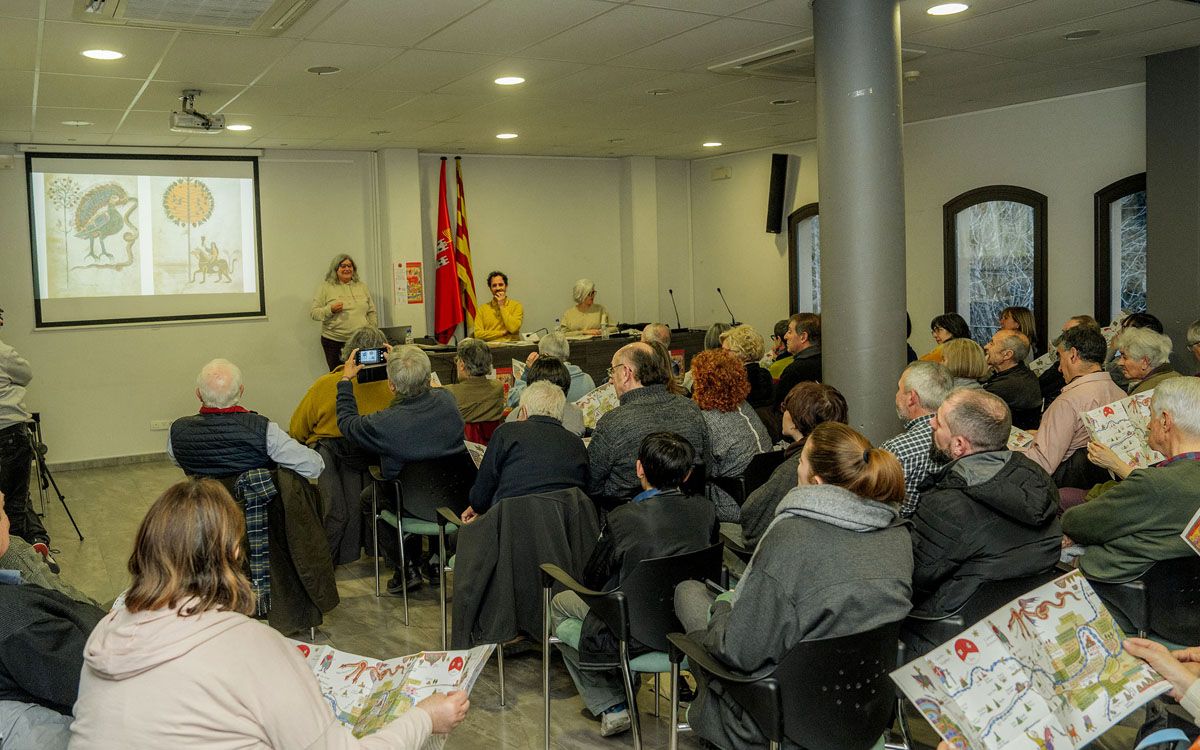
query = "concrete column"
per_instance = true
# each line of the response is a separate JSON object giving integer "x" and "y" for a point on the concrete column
{"x": 1172, "y": 194}
{"x": 639, "y": 241}
{"x": 861, "y": 186}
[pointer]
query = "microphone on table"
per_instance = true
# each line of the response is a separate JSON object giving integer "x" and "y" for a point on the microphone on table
{"x": 678, "y": 325}
{"x": 732, "y": 320}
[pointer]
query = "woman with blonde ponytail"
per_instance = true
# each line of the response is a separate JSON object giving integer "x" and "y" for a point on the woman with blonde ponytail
{"x": 834, "y": 561}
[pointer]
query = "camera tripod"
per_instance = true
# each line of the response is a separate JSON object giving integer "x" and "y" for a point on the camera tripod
{"x": 45, "y": 478}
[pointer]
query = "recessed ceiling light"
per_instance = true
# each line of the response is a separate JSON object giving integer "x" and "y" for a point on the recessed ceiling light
{"x": 660, "y": 92}
{"x": 947, "y": 9}
{"x": 324, "y": 70}
{"x": 1081, "y": 34}
{"x": 784, "y": 102}
{"x": 509, "y": 80}
{"x": 103, "y": 54}
{"x": 238, "y": 127}
{"x": 76, "y": 123}
{"x": 711, "y": 144}
{"x": 506, "y": 136}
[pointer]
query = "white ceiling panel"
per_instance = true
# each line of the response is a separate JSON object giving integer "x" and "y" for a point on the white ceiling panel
{"x": 16, "y": 118}
{"x": 715, "y": 42}
{"x": 351, "y": 103}
{"x": 505, "y": 26}
{"x": 221, "y": 58}
{"x": 172, "y": 139}
{"x": 18, "y": 44}
{"x": 69, "y": 135}
{"x": 1163, "y": 39}
{"x": 354, "y": 59}
{"x": 714, "y": 7}
{"x": 278, "y": 100}
{"x": 20, "y": 9}
{"x": 16, "y": 90}
{"x": 914, "y": 19}
{"x": 619, "y": 31}
{"x": 62, "y": 43}
{"x": 391, "y": 23}
{"x": 1019, "y": 19}
{"x": 537, "y": 74}
{"x": 92, "y": 92}
{"x": 103, "y": 120}
{"x": 595, "y": 81}
{"x": 796, "y": 13}
{"x": 438, "y": 107}
{"x": 423, "y": 70}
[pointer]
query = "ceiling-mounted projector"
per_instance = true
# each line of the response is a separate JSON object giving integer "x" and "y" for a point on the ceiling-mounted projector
{"x": 191, "y": 121}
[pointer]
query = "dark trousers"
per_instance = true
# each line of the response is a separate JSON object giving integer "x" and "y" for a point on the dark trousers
{"x": 16, "y": 452}
{"x": 333, "y": 352}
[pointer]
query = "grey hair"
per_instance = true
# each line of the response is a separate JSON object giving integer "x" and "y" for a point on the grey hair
{"x": 1193, "y": 333}
{"x": 582, "y": 289}
{"x": 554, "y": 345}
{"x": 367, "y": 337}
{"x": 408, "y": 370}
{"x": 1139, "y": 343}
{"x": 220, "y": 384}
{"x": 981, "y": 417}
{"x": 331, "y": 275}
{"x": 1017, "y": 343}
{"x": 931, "y": 381}
{"x": 544, "y": 398}
{"x": 475, "y": 356}
{"x": 660, "y": 332}
{"x": 712, "y": 339}
{"x": 1180, "y": 397}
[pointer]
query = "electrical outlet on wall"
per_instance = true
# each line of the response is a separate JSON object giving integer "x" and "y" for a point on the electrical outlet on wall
{"x": 160, "y": 424}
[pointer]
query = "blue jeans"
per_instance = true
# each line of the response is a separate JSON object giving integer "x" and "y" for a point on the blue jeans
{"x": 16, "y": 453}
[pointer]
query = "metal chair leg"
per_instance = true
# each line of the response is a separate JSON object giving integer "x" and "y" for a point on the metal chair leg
{"x": 631, "y": 697}
{"x": 375, "y": 532}
{"x": 442, "y": 579}
{"x": 673, "y": 737}
{"x": 400, "y": 544}
{"x": 656, "y": 695}
{"x": 773, "y": 745}
{"x": 546, "y": 667}
{"x": 500, "y": 669}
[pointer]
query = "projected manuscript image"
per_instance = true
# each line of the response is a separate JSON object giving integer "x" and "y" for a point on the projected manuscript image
{"x": 195, "y": 248}
{"x": 92, "y": 246}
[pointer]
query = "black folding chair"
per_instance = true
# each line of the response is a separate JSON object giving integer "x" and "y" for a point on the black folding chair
{"x": 1163, "y": 603}
{"x": 757, "y": 472}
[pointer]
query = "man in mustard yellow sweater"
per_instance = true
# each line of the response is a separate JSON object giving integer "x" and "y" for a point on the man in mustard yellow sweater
{"x": 500, "y": 319}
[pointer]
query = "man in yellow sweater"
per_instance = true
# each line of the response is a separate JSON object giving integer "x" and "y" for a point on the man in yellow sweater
{"x": 500, "y": 319}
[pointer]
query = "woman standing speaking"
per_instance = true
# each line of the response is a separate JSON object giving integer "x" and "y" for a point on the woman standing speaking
{"x": 341, "y": 305}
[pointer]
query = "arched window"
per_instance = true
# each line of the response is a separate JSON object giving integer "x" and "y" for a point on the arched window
{"x": 995, "y": 251}
{"x": 1120, "y": 211}
{"x": 804, "y": 259}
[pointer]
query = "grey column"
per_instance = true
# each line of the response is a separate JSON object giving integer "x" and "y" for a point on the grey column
{"x": 1173, "y": 194}
{"x": 861, "y": 184}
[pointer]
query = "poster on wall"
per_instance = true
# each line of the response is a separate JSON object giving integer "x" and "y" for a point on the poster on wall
{"x": 415, "y": 276}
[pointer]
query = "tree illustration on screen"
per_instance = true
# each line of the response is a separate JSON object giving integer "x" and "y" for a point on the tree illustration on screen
{"x": 188, "y": 203}
{"x": 63, "y": 193}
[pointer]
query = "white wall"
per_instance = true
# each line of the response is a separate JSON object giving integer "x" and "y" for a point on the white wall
{"x": 1064, "y": 148}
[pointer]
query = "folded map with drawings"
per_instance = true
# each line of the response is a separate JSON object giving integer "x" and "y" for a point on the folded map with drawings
{"x": 1122, "y": 426}
{"x": 597, "y": 403}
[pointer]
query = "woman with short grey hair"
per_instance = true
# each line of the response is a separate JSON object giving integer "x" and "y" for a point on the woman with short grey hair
{"x": 1144, "y": 358}
{"x": 585, "y": 316}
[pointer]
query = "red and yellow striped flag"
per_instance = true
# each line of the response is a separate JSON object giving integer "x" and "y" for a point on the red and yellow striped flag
{"x": 462, "y": 252}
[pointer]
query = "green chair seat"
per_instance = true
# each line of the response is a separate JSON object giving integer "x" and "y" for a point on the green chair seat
{"x": 415, "y": 525}
{"x": 570, "y": 631}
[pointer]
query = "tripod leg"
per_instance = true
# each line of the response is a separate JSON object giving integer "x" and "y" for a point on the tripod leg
{"x": 48, "y": 477}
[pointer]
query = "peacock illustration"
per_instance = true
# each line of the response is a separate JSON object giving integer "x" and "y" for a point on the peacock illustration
{"x": 97, "y": 217}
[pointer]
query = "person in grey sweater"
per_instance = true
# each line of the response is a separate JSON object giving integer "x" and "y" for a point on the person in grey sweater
{"x": 841, "y": 527}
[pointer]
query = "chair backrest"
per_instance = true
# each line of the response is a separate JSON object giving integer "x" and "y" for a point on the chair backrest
{"x": 989, "y": 597}
{"x": 481, "y": 432}
{"x": 649, "y": 595}
{"x": 693, "y": 483}
{"x": 832, "y": 692}
{"x": 1173, "y": 599}
{"x": 427, "y": 485}
{"x": 760, "y": 468}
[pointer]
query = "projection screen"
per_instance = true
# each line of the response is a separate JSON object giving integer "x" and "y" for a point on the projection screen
{"x": 127, "y": 238}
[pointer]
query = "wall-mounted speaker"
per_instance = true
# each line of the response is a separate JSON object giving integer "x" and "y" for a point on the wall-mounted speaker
{"x": 776, "y": 193}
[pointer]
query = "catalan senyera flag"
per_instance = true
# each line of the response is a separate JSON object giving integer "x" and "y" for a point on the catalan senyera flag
{"x": 462, "y": 252}
{"x": 447, "y": 313}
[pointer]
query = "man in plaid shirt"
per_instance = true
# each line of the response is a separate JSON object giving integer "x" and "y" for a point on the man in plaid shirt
{"x": 922, "y": 388}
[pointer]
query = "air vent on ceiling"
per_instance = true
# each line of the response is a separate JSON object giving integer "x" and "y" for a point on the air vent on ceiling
{"x": 792, "y": 61}
{"x": 254, "y": 17}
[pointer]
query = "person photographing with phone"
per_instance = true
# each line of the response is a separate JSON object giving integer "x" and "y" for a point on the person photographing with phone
{"x": 500, "y": 319}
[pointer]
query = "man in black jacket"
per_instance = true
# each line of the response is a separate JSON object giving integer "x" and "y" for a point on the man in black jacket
{"x": 1012, "y": 380}
{"x": 659, "y": 521}
{"x": 803, "y": 340}
{"x": 989, "y": 515}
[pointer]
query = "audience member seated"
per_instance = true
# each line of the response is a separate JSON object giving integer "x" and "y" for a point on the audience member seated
{"x": 180, "y": 664}
{"x": 1137, "y": 521}
{"x": 1011, "y": 378}
{"x": 712, "y": 340}
{"x": 803, "y": 339}
{"x": 660, "y": 521}
{"x": 1130, "y": 322}
{"x": 1144, "y": 358}
{"x": 479, "y": 398}
{"x": 1018, "y": 319}
{"x": 780, "y": 356}
{"x": 965, "y": 361}
{"x": 1193, "y": 340}
{"x": 1061, "y": 432}
{"x": 554, "y": 345}
{"x": 660, "y": 332}
{"x": 922, "y": 388}
{"x": 946, "y": 327}
{"x": 808, "y": 405}
{"x": 747, "y": 346}
{"x": 988, "y": 515}
{"x": 42, "y": 634}
{"x": 552, "y": 370}
{"x": 675, "y": 384}
{"x": 532, "y": 455}
{"x": 640, "y": 378}
{"x": 835, "y": 561}
{"x": 314, "y": 423}
{"x": 226, "y": 439}
{"x": 735, "y": 431}
{"x": 1051, "y": 380}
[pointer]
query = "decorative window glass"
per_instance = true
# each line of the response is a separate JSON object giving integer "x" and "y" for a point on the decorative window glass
{"x": 804, "y": 259}
{"x": 995, "y": 240}
{"x": 1121, "y": 247}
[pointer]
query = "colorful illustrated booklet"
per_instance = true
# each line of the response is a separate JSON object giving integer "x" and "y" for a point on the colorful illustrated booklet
{"x": 597, "y": 403}
{"x": 1019, "y": 439}
{"x": 1191, "y": 533}
{"x": 366, "y": 694}
{"x": 1122, "y": 426}
{"x": 1045, "y": 671}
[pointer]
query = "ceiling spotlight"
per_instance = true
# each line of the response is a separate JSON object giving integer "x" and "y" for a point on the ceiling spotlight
{"x": 912, "y": 76}
{"x": 103, "y": 54}
{"x": 324, "y": 70}
{"x": 1081, "y": 34}
{"x": 238, "y": 127}
{"x": 76, "y": 123}
{"x": 509, "y": 80}
{"x": 784, "y": 102}
{"x": 711, "y": 144}
{"x": 947, "y": 9}
{"x": 506, "y": 136}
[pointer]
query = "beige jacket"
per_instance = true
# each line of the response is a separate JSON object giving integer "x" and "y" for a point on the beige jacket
{"x": 357, "y": 309}
{"x": 217, "y": 680}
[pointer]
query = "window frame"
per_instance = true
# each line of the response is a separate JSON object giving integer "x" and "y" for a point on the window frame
{"x": 1101, "y": 201}
{"x": 807, "y": 211}
{"x": 1013, "y": 194}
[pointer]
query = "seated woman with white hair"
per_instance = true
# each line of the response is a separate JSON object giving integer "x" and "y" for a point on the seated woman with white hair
{"x": 585, "y": 316}
{"x": 1144, "y": 358}
{"x": 554, "y": 345}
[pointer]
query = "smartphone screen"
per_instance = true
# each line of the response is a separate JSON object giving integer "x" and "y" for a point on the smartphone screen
{"x": 370, "y": 356}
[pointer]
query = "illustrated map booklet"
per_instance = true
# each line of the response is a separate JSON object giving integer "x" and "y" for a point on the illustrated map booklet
{"x": 597, "y": 403}
{"x": 1122, "y": 426}
{"x": 366, "y": 694}
{"x": 1047, "y": 670}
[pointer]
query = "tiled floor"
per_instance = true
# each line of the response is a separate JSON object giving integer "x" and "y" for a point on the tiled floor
{"x": 108, "y": 504}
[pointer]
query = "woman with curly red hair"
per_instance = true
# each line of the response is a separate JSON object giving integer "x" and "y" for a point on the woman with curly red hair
{"x": 719, "y": 388}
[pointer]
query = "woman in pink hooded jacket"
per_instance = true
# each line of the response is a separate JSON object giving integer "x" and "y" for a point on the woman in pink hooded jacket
{"x": 181, "y": 665}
